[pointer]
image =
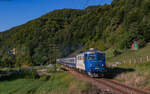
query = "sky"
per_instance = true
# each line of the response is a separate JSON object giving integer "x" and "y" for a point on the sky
{"x": 17, "y": 12}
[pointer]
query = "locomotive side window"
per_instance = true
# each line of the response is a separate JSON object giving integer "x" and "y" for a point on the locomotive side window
{"x": 80, "y": 57}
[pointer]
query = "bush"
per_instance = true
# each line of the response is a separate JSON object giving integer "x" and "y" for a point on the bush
{"x": 24, "y": 73}
{"x": 44, "y": 78}
{"x": 29, "y": 73}
{"x": 116, "y": 52}
{"x": 51, "y": 70}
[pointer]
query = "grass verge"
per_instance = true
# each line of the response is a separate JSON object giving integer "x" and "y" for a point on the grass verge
{"x": 59, "y": 83}
{"x": 139, "y": 78}
{"x": 128, "y": 54}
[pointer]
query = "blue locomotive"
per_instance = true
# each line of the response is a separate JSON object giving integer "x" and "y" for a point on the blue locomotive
{"x": 92, "y": 62}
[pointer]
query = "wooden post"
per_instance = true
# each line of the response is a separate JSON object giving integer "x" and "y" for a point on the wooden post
{"x": 141, "y": 59}
{"x": 135, "y": 61}
{"x": 147, "y": 58}
{"x": 124, "y": 61}
{"x": 130, "y": 61}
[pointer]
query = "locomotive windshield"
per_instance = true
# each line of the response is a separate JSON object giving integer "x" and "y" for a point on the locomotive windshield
{"x": 95, "y": 56}
{"x": 92, "y": 57}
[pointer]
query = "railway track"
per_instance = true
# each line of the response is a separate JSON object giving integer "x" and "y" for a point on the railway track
{"x": 120, "y": 88}
{"x": 107, "y": 85}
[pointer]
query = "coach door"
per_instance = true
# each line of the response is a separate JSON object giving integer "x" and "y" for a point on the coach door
{"x": 80, "y": 62}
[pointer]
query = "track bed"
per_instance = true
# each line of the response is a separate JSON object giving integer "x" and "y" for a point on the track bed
{"x": 106, "y": 85}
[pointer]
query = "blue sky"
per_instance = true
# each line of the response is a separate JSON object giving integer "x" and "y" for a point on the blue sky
{"x": 17, "y": 12}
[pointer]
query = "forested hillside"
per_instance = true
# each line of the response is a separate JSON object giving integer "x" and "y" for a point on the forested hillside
{"x": 103, "y": 27}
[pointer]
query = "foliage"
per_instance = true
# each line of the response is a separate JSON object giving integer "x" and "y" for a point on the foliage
{"x": 44, "y": 78}
{"x": 138, "y": 78}
{"x": 28, "y": 73}
{"x": 109, "y": 26}
{"x": 128, "y": 54}
{"x": 59, "y": 83}
{"x": 25, "y": 73}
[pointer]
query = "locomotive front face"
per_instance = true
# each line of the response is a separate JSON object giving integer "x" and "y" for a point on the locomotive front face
{"x": 95, "y": 63}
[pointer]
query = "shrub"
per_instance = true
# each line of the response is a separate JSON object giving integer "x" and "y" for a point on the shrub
{"x": 44, "y": 78}
{"x": 29, "y": 73}
{"x": 25, "y": 73}
{"x": 116, "y": 52}
{"x": 51, "y": 70}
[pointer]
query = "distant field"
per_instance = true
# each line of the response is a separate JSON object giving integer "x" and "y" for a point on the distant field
{"x": 59, "y": 83}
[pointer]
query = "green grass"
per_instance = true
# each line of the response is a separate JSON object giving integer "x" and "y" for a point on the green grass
{"x": 59, "y": 83}
{"x": 139, "y": 78}
{"x": 143, "y": 52}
